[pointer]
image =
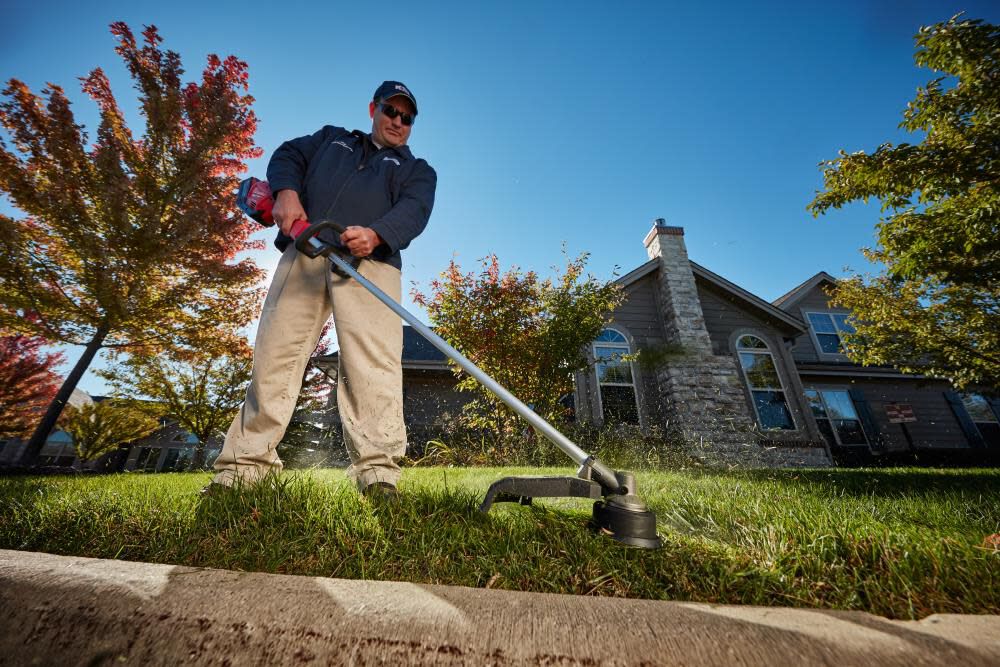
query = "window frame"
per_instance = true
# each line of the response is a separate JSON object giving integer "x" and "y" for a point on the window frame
{"x": 595, "y": 344}
{"x": 58, "y": 445}
{"x": 151, "y": 453}
{"x": 826, "y": 409}
{"x": 749, "y": 387}
{"x": 987, "y": 440}
{"x": 814, "y": 336}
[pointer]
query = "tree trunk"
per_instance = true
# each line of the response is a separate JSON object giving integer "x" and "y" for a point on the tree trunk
{"x": 198, "y": 460}
{"x": 34, "y": 447}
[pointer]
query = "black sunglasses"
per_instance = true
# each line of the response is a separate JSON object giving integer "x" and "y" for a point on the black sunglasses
{"x": 392, "y": 112}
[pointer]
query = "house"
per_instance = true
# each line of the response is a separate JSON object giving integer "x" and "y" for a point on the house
{"x": 870, "y": 412}
{"x": 737, "y": 379}
{"x": 169, "y": 448}
{"x": 752, "y": 382}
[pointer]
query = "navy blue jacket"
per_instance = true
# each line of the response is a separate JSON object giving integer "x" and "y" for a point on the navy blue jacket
{"x": 344, "y": 177}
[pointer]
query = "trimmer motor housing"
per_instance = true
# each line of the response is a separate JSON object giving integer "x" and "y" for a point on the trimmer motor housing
{"x": 254, "y": 198}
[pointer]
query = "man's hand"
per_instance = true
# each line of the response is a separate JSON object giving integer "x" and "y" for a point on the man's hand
{"x": 287, "y": 209}
{"x": 361, "y": 241}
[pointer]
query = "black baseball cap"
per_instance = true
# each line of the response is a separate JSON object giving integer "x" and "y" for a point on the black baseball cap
{"x": 391, "y": 89}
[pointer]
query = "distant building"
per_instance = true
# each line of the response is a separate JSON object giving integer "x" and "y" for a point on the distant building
{"x": 169, "y": 448}
{"x": 58, "y": 448}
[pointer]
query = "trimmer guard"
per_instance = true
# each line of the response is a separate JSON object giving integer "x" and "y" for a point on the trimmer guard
{"x": 523, "y": 489}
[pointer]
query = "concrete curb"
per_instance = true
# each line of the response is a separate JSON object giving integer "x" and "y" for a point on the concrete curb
{"x": 84, "y": 611}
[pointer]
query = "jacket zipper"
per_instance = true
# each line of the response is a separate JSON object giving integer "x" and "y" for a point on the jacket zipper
{"x": 361, "y": 167}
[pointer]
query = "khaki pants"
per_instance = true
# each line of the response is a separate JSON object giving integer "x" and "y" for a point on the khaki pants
{"x": 302, "y": 296}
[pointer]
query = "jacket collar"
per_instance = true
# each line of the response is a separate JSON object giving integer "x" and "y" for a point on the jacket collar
{"x": 370, "y": 148}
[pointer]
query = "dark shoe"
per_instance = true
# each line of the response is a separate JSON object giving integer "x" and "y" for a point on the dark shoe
{"x": 381, "y": 491}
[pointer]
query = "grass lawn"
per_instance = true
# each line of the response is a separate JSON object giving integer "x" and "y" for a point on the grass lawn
{"x": 903, "y": 543}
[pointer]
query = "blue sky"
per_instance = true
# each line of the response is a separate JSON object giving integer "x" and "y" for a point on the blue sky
{"x": 556, "y": 124}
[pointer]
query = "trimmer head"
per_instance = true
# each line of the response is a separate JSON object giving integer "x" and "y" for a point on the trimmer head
{"x": 628, "y": 525}
{"x": 625, "y": 518}
{"x": 621, "y": 515}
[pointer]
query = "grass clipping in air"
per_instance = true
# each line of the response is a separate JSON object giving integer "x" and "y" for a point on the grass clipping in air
{"x": 902, "y": 543}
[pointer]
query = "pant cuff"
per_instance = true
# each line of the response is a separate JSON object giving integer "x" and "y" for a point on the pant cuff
{"x": 368, "y": 476}
{"x": 247, "y": 477}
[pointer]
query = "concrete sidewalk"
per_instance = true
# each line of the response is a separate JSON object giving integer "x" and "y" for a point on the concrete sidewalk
{"x": 82, "y": 611}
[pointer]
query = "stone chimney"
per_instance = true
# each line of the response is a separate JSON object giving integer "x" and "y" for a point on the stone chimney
{"x": 679, "y": 303}
{"x": 701, "y": 396}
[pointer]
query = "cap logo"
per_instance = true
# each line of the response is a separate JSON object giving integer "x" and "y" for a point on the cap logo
{"x": 403, "y": 88}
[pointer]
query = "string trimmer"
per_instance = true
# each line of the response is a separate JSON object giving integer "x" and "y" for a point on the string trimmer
{"x": 618, "y": 511}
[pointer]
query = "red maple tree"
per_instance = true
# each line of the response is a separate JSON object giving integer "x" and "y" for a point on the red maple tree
{"x": 130, "y": 244}
{"x": 27, "y": 383}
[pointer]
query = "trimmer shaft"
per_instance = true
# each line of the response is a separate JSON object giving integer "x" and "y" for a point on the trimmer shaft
{"x": 621, "y": 515}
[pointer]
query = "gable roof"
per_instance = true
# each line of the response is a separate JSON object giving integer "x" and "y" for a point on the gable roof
{"x": 639, "y": 272}
{"x": 789, "y": 299}
{"x": 699, "y": 271}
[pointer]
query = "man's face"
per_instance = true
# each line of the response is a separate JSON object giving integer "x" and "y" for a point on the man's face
{"x": 390, "y": 131}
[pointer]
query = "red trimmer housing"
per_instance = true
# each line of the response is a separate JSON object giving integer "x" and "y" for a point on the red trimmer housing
{"x": 254, "y": 198}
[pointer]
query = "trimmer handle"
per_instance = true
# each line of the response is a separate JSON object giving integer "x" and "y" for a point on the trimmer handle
{"x": 303, "y": 232}
{"x": 255, "y": 199}
{"x": 307, "y": 243}
{"x": 298, "y": 227}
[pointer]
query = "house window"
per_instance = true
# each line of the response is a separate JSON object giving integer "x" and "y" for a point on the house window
{"x": 836, "y": 416}
{"x": 58, "y": 450}
{"x": 761, "y": 376}
{"x": 146, "y": 461}
{"x": 177, "y": 459}
{"x": 828, "y": 329}
{"x": 615, "y": 382}
{"x": 983, "y": 417}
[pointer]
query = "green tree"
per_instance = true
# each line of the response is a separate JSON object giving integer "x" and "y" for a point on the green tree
{"x": 935, "y": 307}
{"x": 128, "y": 243}
{"x": 202, "y": 392}
{"x": 100, "y": 428}
{"x": 529, "y": 334}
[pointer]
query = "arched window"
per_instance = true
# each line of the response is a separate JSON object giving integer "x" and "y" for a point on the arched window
{"x": 761, "y": 376}
{"x": 615, "y": 383}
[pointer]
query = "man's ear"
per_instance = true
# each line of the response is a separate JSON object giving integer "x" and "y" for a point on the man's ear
{"x": 371, "y": 109}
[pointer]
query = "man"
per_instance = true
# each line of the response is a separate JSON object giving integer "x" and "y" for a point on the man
{"x": 374, "y": 186}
